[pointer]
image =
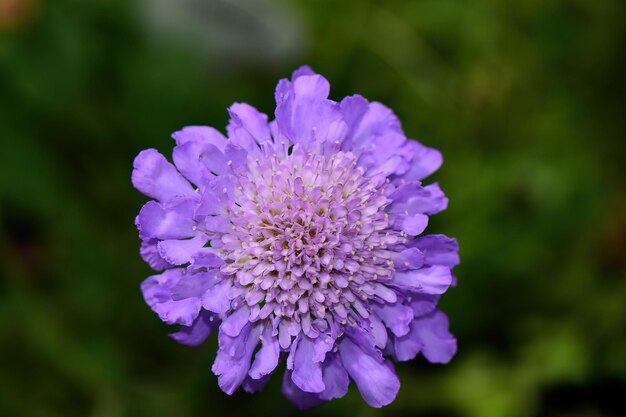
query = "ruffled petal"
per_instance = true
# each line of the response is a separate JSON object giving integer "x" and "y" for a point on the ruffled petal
{"x": 386, "y": 167}
{"x": 411, "y": 258}
{"x": 216, "y": 298}
{"x": 438, "y": 250}
{"x": 375, "y": 131}
{"x": 202, "y": 327}
{"x": 211, "y": 204}
{"x": 251, "y": 385}
{"x": 201, "y": 135}
{"x": 423, "y": 304}
{"x": 425, "y": 161}
{"x": 375, "y": 377}
{"x": 307, "y": 374}
{"x": 192, "y": 285}
{"x": 335, "y": 376}
{"x": 157, "y": 291}
{"x": 397, "y": 317}
{"x": 323, "y": 345}
{"x": 379, "y": 331}
{"x": 407, "y": 347}
{"x": 429, "y": 334}
{"x": 353, "y": 109}
{"x": 206, "y": 258}
{"x": 179, "y": 252}
{"x": 191, "y": 144}
{"x": 266, "y": 358}
{"x": 433, "y": 204}
{"x": 303, "y": 112}
{"x": 376, "y": 122}
{"x": 232, "y": 362}
{"x": 301, "y": 399}
{"x": 174, "y": 221}
{"x": 154, "y": 176}
{"x": 411, "y": 224}
{"x": 335, "y": 379}
{"x": 439, "y": 345}
{"x": 235, "y": 322}
{"x": 150, "y": 253}
{"x": 302, "y": 71}
{"x": 430, "y": 280}
{"x": 236, "y": 159}
{"x": 212, "y": 161}
{"x": 412, "y": 198}
{"x": 248, "y": 127}
{"x": 215, "y": 198}
{"x": 385, "y": 155}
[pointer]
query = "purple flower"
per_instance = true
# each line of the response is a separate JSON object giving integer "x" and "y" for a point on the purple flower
{"x": 300, "y": 239}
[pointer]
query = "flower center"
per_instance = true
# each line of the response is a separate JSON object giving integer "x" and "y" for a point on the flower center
{"x": 310, "y": 237}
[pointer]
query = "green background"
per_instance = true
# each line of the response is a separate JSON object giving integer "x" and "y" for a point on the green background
{"x": 524, "y": 98}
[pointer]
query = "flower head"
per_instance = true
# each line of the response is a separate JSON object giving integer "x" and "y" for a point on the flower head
{"x": 301, "y": 239}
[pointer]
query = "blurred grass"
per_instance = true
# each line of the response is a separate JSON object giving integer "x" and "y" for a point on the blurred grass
{"x": 524, "y": 98}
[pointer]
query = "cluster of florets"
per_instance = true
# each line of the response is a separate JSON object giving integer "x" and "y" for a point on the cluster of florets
{"x": 300, "y": 238}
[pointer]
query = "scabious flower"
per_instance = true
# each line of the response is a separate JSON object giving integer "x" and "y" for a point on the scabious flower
{"x": 300, "y": 239}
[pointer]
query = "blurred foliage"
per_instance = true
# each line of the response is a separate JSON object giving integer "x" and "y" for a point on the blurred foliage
{"x": 524, "y": 98}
